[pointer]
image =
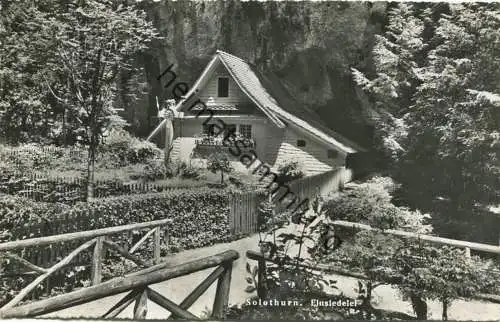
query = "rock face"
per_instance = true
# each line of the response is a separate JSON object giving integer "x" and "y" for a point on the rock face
{"x": 310, "y": 46}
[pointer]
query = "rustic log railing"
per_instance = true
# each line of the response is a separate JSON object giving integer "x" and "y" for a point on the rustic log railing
{"x": 262, "y": 259}
{"x": 98, "y": 241}
{"x": 137, "y": 284}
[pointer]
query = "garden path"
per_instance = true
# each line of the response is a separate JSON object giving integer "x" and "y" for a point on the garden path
{"x": 384, "y": 296}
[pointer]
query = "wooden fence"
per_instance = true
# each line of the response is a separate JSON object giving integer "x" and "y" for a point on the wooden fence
{"x": 39, "y": 188}
{"x": 466, "y": 245}
{"x": 98, "y": 239}
{"x": 138, "y": 285}
{"x": 244, "y": 210}
{"x": 321, "y": 184}
{"x": 15, "y": 153}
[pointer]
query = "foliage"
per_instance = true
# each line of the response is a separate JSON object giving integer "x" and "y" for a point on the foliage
{"x": 27, "y": 158}
{"x": 455, "y": 119}
{"x": 434, "y": 99}
{"x": 71, "y": 190}
{"x": 200, "y": 216}
{"x": 120, "y": 149}
{"x": 289, "y": 171}
{"x": 395, "y": 57}
{"x": 370, "y": 203}
{"x": 441, "y": 273}
{"x": 77, "y": 50}
{"x": 190, "y": 172}
{"x": 420, "y": 271}
{"x": 155, "y": 169}
{"x": 285, "y": 276}
{"x": 219, "y": 161}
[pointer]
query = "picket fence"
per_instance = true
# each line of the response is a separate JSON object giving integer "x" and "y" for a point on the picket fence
{"x": 15, "y": 154}
{"x": 244, "y": 207}
{"x": 72, "y": 189}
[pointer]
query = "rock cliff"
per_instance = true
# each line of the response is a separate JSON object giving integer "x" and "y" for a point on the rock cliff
{"x": 310, "y": 46}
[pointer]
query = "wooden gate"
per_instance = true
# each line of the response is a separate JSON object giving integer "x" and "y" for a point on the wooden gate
{"x": 244, "y": 212}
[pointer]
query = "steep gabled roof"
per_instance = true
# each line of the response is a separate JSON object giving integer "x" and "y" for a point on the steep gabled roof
{"x": 268, "y": 94}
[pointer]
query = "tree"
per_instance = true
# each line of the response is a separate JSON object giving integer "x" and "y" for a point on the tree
{"x": 369, "y": 252}
{"x": 441, "y": 273}
{"x": 390, "y": 85}
{"x": 84, "y": 45}
{"x": 436, "y": 82}
{"x": 26, "y": 110}
{"x": 219, "y": 161}
{"x": 456, "y": 110}
{"x": 419, "y": 270}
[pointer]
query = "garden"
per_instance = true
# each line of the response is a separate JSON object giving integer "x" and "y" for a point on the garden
{"x": 303, "y": 264}
{"x": 44, "y": 191}
{"x": 422, "y": 81}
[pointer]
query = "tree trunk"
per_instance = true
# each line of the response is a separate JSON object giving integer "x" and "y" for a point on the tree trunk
{"x": 90, "y": 171}
{"x": 445, "y": 310}
{"x": 419, "y": 306}
{"x": 369, "y": 289}
{"x": 221, "y": 177}
{"x": 367, "y": 302}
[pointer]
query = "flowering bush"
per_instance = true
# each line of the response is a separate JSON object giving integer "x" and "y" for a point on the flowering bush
{"x": 289, "y": 171}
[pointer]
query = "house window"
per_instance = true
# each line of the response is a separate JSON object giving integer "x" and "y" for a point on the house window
{"x": 210, "y": 129}
{"x": 301, "y": 143}
{"x": 223, "y": 86}
{"x": 230, "y": 130}
{"x": 332, "y": 154}
{"x": 246, "y": 130}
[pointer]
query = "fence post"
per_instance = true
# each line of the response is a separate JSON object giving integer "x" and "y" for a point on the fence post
{"x": 141, "y": 306}
{"x": 221, "y": 300}
{"x": 97, "y": 260}
{"x": 156, "y": 245}
{"x": 261, "y": 282}
{"x": 231, "y": 213}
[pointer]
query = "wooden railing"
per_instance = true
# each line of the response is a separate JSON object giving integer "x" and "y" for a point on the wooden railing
{"x": 138, "y": 286}
{"x": 218, "y": 142}
{"x": 97, "y": 240}
{"x": 262, "y": 259}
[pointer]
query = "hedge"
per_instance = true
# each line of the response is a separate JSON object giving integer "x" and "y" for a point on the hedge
{"x": 194, "y": 211}
{"x": 200, "y": 218}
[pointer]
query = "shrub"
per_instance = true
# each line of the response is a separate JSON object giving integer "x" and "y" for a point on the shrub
{"x": 289, "y": 171}
{"x": 371, "y": 203}
{"x": 190, "y": 173}
{"x": 200, "y": 218}
{"x": 219, "y": 161}
{"x": 120, "y": 149}
{"x": 196, "y": 213}
{"x": 30, "y": 157}
{"x": 155, "y": 169}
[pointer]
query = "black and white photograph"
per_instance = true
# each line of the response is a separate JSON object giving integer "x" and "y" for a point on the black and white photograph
{"x": 249, "y": 160}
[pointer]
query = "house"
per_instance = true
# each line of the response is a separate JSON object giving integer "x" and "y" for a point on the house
{"x": 258, "y": 108}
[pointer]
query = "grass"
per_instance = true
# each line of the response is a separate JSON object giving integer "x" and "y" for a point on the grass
{"x": 62, "y": 163}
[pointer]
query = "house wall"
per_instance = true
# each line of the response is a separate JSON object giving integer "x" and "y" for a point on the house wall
{"x": 236, "y": 95}
{"x": 187, "y": 130}
{"x": 274, "y": 146}
{"x": 313, "y": 158}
